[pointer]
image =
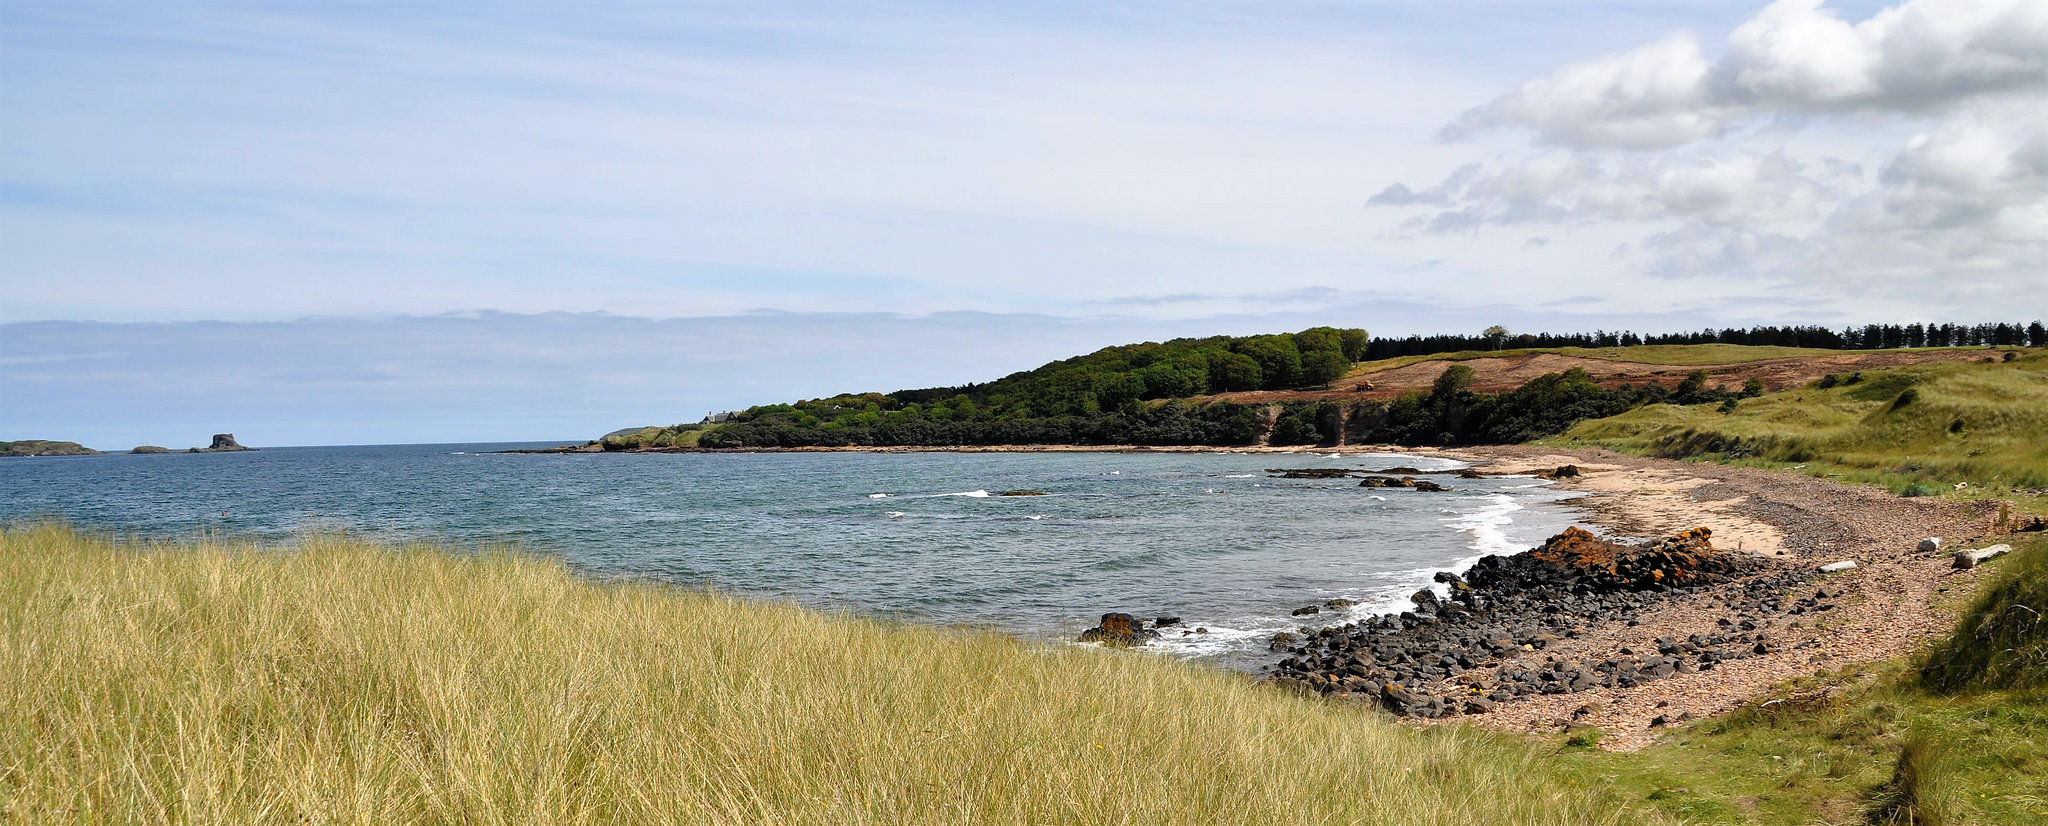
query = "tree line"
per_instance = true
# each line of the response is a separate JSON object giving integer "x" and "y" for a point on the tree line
{"x": 1866, "y": 337}
{"x": 1154, "y": 393}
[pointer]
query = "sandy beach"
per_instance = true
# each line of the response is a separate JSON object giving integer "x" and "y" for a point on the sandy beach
{"x": 1892, "y": 602}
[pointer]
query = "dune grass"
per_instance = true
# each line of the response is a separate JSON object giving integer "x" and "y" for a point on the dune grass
{"x": 339, "y": 682}
{"x": 1917, "y": 430}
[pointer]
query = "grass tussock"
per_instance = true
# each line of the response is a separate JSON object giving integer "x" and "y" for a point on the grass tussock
{"x": 1917, "y": 430}
{"x": 2001, "y": 641}
{"x": 340, "y": 682}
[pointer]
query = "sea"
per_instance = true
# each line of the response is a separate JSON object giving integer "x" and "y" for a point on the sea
{"x": 1209, "y": 537}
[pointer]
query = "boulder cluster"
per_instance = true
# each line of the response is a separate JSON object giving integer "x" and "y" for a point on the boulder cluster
{"x": 1403, "y": 482}
{"x": 1124, "y": 630}
{"x": 1495, "y": 637}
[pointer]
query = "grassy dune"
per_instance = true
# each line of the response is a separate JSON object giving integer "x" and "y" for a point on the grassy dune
{"x": 1919, "y": 429}
{"x": 342, "y": 682}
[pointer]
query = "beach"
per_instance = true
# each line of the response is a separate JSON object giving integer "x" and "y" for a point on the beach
{"x": 1893, "y": 600}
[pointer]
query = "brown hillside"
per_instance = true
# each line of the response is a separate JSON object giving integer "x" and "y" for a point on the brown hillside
{"x": 1496, "y": 374}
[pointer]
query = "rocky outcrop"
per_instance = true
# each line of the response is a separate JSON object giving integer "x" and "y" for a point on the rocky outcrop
{"x": 222, "y": 443}
{"x": 1403, "y": 482}
{"x": 45, "y": 447}
{"x": 1582, "y": 561}
{"x": 1121, "y": 630}
{"x": 1313, "y": 472}
{"x": 149, "y": 449}
{"x": 1491, "y": 639}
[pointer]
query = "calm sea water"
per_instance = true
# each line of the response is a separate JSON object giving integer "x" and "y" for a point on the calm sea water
{"x": 1205, "y": 536}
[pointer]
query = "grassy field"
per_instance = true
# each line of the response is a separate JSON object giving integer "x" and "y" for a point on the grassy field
{"x": 682, "y": 435}
{"x": 1957, "y": 735}
{"x": 1918, "y": 430}
{"x": 1677, "y": 355}
{"x": 339, "y": 682}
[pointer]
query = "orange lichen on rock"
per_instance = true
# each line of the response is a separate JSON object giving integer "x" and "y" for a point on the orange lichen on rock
{"x": 1685, "y": 558}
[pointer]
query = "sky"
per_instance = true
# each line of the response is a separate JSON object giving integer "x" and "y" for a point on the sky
{"x": 388, "y": 222}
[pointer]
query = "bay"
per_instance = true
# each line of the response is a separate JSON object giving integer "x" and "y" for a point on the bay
{"x": 924, "y": 537}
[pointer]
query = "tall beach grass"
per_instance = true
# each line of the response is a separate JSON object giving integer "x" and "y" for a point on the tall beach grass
{"x": 340, "y": 682}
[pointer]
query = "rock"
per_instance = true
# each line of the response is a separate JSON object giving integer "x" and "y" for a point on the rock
{"x": 1969, "y": 559}
{"x": 1425, "y": 601}
{"x": 1022, "y": 493}
{"x": 1833, "y": 567}
{"x": 1403, "y": 482}
{"x": 1119, "y": 630}
{"x": 1162, "y": 622}
{"x": 1282, "y": 641}
{"x": 1478, "y": 705}
{"x": 1339, "y": 603}
{"x": 147, "y": 449}
{"x": 1930, "y": 544}
{"x": 1306, "y": 611}
{"x": 1565, "y": 472}
{"x": 1397, "y": 699}
{"x": 1313, "y": 473}
{"x": 222, "y": 442}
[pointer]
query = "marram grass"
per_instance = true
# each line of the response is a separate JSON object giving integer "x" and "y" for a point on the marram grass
{"x": 340, "y": 682}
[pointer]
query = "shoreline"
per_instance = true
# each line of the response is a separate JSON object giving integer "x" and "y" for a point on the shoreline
{"x": 1891, "y": 604}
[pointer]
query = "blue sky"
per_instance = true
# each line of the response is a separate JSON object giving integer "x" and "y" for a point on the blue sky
{"x": 1094, "y": 172}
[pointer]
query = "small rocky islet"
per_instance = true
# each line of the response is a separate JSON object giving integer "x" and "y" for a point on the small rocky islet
{"x": 1494, "y": 638}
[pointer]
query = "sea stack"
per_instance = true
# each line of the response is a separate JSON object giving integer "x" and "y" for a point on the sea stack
{"x": 222, "y": 442}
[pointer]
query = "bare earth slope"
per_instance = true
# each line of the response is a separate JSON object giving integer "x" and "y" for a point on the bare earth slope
{"x": 1494, "y": 374}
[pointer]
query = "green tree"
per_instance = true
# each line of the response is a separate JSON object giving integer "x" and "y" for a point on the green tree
{"x": 1355, "y": 342}
{"x": 1278, "y": 357}
{"x": 1497, "y": 334}
{"x": 1234, "y": 371}
{"x": 1453, "y": 380}
{"x": 1323, "y": 366}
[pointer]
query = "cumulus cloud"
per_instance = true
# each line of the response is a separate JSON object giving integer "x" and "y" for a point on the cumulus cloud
{"x": 1784, "y": 158}
{"x": 1794, "y": 57}
{"x": 1572, "y": 187}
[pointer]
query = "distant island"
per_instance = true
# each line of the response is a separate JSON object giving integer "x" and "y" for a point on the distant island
{"x": 45, "y": 447}
{"x": 222, "y": 443}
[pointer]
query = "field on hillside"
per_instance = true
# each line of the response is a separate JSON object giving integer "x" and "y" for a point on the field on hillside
{"x": 1919, "y": 429}
{"x": 338, "y": 682}
{"x": 1728, "y": 366}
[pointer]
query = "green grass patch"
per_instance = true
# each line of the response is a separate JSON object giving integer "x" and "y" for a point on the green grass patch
{"x": 1914, "y": 430}
{"x": 681, "y": 435}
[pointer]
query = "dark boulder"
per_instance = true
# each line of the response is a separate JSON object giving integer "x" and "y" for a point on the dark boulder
{"x": 1119, "y": 630}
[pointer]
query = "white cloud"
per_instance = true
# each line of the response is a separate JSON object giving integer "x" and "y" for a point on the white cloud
{"x": 1795, "y": 57}
{"x": 1785, "y": 160}
{"x": 1654, "y": 96}
{"x": 1573, "y": 187}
